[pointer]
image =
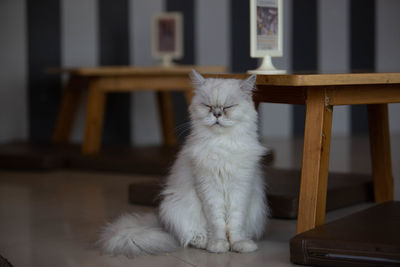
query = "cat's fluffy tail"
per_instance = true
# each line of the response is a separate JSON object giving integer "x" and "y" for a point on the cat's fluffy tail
{"x": 136, "y": 234}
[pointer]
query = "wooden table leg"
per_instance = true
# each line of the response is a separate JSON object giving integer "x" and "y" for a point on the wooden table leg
{"x": 94, "y": 119}
{"x": 67, "y": 112}
{"x": 314, "y": 173}
{"x": 379, "y": 136}
{"x": 167, "y": 118}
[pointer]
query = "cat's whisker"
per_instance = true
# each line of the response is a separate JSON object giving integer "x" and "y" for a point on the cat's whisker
{"x": 183, "y": 128}
{"x": 182, "y": 133}
{"x": 183, "y": 125}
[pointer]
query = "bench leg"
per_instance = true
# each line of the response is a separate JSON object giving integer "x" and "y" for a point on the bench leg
{"x": 68, "y": 108}
{"x": 94, "y": 120}
{"x": 314, "y": 172}
{"x": 379, "y": 135}
{"x": 167, "y": 118}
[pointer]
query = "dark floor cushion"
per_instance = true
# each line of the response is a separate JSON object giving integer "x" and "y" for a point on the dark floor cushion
{"x": 282, "y": 191}
{"x": 367, "y": 238}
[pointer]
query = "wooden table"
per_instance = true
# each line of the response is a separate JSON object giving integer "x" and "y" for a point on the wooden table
{"x": 103, "y": 80}
{"x": 320, "y": 93}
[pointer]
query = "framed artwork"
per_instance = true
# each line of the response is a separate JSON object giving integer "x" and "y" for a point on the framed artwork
{"x": 167, "y": 31}
{"x": 266, "y": 33}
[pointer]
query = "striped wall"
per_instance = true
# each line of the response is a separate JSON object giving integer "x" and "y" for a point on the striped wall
{"x": 332, "y": 37}
{"x": 79, "y": 42}
{"x": 44, "y": 50}
{"x": 144, "y": 121}
{"x": 387, "y": 48}
{"x": 13, "y": 71}
{"x": 319, "y": 35}
{"x": 114, "y": 49}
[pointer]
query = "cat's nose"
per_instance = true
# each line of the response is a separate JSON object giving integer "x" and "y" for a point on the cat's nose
{"x": 217, "y": 113}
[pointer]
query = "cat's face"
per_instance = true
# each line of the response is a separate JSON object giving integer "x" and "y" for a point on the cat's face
{"x": 219, "y": 104}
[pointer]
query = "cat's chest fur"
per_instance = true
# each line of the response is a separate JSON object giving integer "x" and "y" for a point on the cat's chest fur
{"x": 224, "y": 156}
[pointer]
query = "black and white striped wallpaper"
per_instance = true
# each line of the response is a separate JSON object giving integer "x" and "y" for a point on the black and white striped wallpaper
{"x": 319, "y": 36}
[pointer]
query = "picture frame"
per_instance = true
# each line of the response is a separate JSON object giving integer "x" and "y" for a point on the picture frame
{"x": 167, "y": 37}
{"x": 266, "y": 33}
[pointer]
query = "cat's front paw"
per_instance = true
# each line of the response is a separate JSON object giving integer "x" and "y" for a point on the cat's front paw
{"x": 218, "y": 246}
{"x": 244, "y": 246}
{"x": 199, "y": 241}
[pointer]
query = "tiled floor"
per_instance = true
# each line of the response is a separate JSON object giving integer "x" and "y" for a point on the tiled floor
{"x": 53, "y": 218}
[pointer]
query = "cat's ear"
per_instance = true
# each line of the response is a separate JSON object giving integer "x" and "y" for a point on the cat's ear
{"x": 249, "y": 84}
{"x": 196, "y": 78}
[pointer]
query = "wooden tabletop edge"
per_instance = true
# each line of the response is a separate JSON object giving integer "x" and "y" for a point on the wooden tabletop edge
{"x": 318, "y": 79}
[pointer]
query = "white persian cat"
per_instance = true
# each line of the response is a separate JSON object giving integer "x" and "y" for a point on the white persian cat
{"x": 214, "y": 197}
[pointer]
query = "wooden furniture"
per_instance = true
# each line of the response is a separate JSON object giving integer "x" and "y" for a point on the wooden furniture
{"x": 320, "y": 93}
{"x": 366, "y": 238}
{"x": 101, "y": 81}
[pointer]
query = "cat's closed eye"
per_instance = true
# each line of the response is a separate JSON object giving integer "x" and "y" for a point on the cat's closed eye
{"x": 228, "y": 107}
{"x": 207, "y": 106}
{"x": 224, "y": 108}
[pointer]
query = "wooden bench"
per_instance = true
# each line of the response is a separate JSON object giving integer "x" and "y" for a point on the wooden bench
{"x": 101, "y": 81}
{"x": 320, "y": 93}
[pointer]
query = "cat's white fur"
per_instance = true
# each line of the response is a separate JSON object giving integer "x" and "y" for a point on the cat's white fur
{"x": 214, "y": 197}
